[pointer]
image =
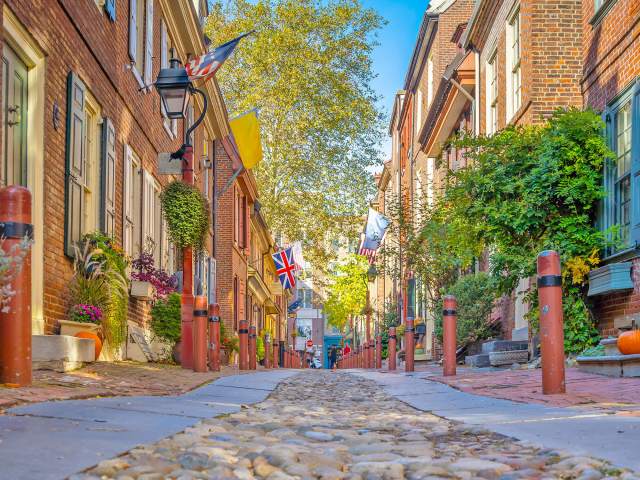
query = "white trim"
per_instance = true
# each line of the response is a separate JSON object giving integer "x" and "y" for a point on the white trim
{"x": 18, "y": 38}
{"x": 512, "y": 103}
{"x": 491, "y": 115}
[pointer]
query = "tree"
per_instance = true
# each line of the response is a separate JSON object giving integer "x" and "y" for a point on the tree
{"x": 307, "y": 68}
{"x": 347, "y": 291}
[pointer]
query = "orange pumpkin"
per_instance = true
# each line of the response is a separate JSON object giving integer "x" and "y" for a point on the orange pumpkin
{"x": 93, "y": 337}
{"x": 629, "y": 342}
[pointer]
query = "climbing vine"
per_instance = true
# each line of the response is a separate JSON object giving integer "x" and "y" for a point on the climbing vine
{"x": 187, "y": 214}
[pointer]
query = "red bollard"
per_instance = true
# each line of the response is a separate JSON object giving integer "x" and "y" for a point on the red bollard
{"x": 303, "y": 361}
{"x": 15, "y": 324}
{"x": 267, "y": 350}
{"x": 200, "y": 314}
{"x": 391, "y": 349}
{"x": 408, "y": 346}
{"x": 372, "y": 353}
{"x": 253, "y": 352}
{"x": 449, "y": 326}
{"x": 551, "y": 322}
{"x": 243, "y": 331}
{"x": 276, "y": 363}
{"x": 214, "y": 337}
{"x": 379, "y": 352}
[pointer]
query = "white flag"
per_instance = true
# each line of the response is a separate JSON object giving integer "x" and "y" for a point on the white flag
{"x": 374, "y": 232}
{"x": 297, "y": 255}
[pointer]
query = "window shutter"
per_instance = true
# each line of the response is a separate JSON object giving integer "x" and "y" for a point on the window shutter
{"x": 108, "y": 178}
{"x": 127, "y": 230}
{"x": 133, "y": 29}
{"x": 635, "y": 166}
{"x": 110, "y": 9}
{"x": 75, "y": 163}
{"x": 148, "y": 60}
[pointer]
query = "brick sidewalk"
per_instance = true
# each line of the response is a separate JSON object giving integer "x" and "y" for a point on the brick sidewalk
{"x": 107, "y": 379}
{"x": 583, "y": 389}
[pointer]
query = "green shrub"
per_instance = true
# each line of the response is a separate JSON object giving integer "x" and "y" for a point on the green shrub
{"x": 260, "y": 348}
{"x": 165, "y": 318}
{"x": 187, "y": 214}
{"x": 475, "y": 295}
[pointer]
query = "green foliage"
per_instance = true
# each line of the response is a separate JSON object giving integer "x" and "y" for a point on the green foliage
{"x": 308, "y": 69}
{"x": 231, "y": 343}
{"x": 390, "y": 319}
{"x": 347, "y": 291}
{"x": 260, "y": 348}
{"x": 597, "y": 351}
{"x": 475, "y": 295}
{"x": 166, "y": 318}
{"x": 187, "y": 214}
{"x": 114, "y": 264}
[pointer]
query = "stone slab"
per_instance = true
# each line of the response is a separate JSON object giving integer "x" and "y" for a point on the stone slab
{"x": 48, "y": 348}
{"x": 479, "y": 361}
{"x": 504, "y": 345}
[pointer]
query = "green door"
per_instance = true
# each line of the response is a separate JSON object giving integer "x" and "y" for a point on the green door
{"x": 13, "y": 164}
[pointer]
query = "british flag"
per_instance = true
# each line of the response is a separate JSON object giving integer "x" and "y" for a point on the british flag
{"x": 206, "y": 65}
{"x": 285, "y": 267}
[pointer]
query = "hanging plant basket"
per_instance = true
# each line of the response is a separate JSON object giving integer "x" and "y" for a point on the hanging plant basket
{"x": 187, "y": 213}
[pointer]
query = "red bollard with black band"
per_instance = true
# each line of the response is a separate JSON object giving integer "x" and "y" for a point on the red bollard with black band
{"x": 267, "y": 350}
{"x": 276, "y": 363}
{"x": 449, "y": 321}
{"x": 214, "y": 337}
{"x": 551, "y": 322}
{"x": 15, "y": 322}
{"x": 243, "y": 333}
{"x": 200, "y": 314}
{"x": 391, "y": 349}
{"x": 408, "y": 346}
{"x": 379, "y": 352}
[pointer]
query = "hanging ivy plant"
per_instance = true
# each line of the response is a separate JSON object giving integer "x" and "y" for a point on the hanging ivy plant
{"x": 187, "y": 214}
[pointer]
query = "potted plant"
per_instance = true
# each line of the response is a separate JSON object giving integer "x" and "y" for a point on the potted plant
{"x": 187, "y": 213}
{"x": 147, "y": 281}
{"x": 82, "y": 318}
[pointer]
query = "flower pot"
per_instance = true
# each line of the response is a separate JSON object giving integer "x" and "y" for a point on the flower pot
{"x": 141, "y": 290}
{"x": 69, "y": 327}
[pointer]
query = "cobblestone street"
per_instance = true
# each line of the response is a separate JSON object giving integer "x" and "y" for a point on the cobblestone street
{"x": 333, "y": 425}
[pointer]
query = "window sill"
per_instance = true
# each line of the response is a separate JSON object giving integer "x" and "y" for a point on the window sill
{"x": 622, "y": 256}
{"x": 602, "y": 12}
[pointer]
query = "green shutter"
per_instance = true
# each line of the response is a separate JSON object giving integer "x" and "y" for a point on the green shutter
{"x": 75, "y": 163}
{"x": 634, "y": 236}
{"x": 110, "y": 9}
{"x": 108, "y": 178}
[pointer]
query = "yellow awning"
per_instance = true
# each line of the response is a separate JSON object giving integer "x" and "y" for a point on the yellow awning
{"x": 246, "y": 132}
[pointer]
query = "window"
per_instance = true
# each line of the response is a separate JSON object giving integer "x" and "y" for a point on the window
{"x": 419, "y": 109}
{"x": 170, "y": 125}
{"x": 306, "y": 298}
{"x": 91, "y": 177}
{"x": 492, "y": 93}
{"x": 206, "y": 167}
{"x": 131, "y": 204}
{"x": 621, "y": 207}
{"x": 152, "y": 216}
{"x": 514, "y": 81}
{"x": 141, "y": 40}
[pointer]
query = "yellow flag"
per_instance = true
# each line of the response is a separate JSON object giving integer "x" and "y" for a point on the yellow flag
{"x": 246, "y": 132}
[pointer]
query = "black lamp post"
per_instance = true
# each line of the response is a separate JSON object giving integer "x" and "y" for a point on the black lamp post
{"x": 175, "y": 90}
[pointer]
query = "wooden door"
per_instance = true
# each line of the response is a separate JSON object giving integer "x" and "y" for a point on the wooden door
{"x": 13, "y": 165}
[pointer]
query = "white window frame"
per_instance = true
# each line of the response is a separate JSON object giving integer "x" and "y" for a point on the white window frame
{"x": 418, "y": 110}
{"x": 151, "y": 215}
{"x": 91, "y": 180}
{"x": 429, "y": 80}
{"x": 492, "y": 93}
{"x": 141, "y": 64}
{"x": 131, "y": 202}
{"x": 514, "y": 64}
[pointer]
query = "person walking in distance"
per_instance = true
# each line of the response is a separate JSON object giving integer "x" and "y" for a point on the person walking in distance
{"x": 333, "y": 357}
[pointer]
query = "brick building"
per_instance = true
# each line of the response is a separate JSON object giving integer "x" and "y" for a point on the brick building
{"x": 610, "y": 84}
{"x": 84, "y": 131}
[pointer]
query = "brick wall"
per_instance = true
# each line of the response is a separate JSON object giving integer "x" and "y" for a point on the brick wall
{"x": 76, "y": 36}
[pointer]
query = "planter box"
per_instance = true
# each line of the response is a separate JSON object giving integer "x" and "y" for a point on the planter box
{"x": 611, "y": 365}
{"x": 61, "y": 353}
{"x": 69, "y": 327}
{"x": 610, "y": 278}
{"x": 141, "y": 290}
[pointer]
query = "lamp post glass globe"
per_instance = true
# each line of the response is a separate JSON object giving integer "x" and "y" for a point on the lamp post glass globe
{"x": 174, "y": 88}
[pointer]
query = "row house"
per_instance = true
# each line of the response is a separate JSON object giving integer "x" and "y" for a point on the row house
{"x": 610, "y": 83}
{"x": 83, "y": 128}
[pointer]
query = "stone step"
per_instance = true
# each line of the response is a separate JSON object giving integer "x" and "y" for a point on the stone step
{"x": 504, "y": 346}
{"x": 478, "y": 361}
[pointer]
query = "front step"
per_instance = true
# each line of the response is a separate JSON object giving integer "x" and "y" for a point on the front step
{"x": 504, "y": 346}
{"x": 478, "y": 361}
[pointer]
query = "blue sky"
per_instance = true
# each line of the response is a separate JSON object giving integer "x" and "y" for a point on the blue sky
{"x": 397, "y": 39}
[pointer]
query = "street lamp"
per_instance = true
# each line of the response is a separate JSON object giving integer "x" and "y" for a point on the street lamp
{"x": 175, "y": 90}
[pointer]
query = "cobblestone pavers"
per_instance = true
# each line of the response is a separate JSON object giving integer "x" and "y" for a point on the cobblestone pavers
{"x": 333, "y": 425}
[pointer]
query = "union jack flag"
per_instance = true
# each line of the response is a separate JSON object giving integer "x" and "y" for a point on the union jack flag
{"x": 206, "y": 65}
{"x": 285, "y": 266}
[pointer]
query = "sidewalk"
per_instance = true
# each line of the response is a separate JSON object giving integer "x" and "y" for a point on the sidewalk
{"x": 583, "y": 389}
{"x": 612, "y": 436}
{"x": 70, "y": 436}
{"x": 108, "y": 379}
